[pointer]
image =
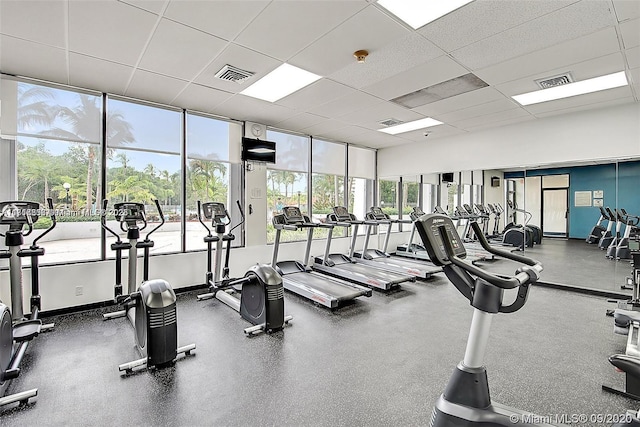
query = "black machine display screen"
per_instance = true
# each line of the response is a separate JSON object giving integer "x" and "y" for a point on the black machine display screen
{"x": 341, "y": 213}
{"x": 214, "y": 209}
{"x": 292, "y": 214}
{"x": 377, "y": 213}
{"x": 429, "y": 230}
{"x": 129, "y": 211}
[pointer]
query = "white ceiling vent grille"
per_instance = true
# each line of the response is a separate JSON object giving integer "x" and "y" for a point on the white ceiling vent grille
{"x": 233, "y": 74}
{"x": 554, "y": 81}
{"x": 390, "y": 122}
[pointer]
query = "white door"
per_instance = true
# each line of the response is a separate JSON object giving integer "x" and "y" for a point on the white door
{"x": 555, "y": 212}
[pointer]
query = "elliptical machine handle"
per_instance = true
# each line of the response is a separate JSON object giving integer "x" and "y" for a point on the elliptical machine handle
{"x": 103, "y": 220}
{"x": 157, "y": 226}
{"x": 500, "y": 252}
{"x": 241, "y": 215}
{"x": 200, "y": 217}
{"x": 34, "y": 245}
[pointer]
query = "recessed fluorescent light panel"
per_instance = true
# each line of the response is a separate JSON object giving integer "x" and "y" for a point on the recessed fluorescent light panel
{"x": 595, "y": 84}
{"x": 281, "y": 82}
{"x": 408, "y": 127}
{"x": 418, "y": 13}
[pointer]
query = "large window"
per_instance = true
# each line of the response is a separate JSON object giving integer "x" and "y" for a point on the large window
{"x": 327, "y": 182}
{"x": 360, "y": 186}
{"x": 143, "y": 164}
{"x": 287, "y": 180}
{"x": 213, "y": 172}
{"x": 54, "y": 137}
{"x": 429, "y": 192}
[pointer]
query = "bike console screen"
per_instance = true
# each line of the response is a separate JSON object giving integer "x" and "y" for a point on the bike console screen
{"x": 429, "y": 229}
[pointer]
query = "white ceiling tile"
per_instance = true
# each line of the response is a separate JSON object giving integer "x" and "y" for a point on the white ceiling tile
{"x": 600, "y": 43}
{"x": 433, "y": 133}
{"x": 98, "y": 74}
{"x": 324, "y": 127}
{"x": 478, "y": 110}
{"x": 458, "y": 102}
{"x": 243, "y": 58}
{"x": 490, "y": 118}
{"x": 347, "y": 103}
{"x": 110, "y": 30}
{"x": 179, "y": 51}
{"x": 599, "y": 104}
{"x": 344, "y": 133}
{"x": 221, "y": 18}
{"x": 633, "y": 57}
{"x": 369, "y": 117}
{"x": 500, "y": 123}
{"x": 285, "y": 27}
{"x": 35, "y": 60}
{"x": 242, "y": 107}
{"x": 154, "y": 87}
{"x": 568, "y": 23}
{"x": 575, "y": 101}
{"x": 630, "y": 33}
{"x": 317, "y": 93}
{"x": 154, "y": 6}
{"x": 201, "y": 98}
{"x": 481, "y": 19}
{"x": 634, "y": 76}
{"x": 369, "y": 29}
{"x": 626, "y": 9}
{"x": 585, "y": 70}
{"x": 45, "y": 23}
{"x": 300, "y": 121}
{"x": 435, "y": 71}
{"x": 396, "y": 57}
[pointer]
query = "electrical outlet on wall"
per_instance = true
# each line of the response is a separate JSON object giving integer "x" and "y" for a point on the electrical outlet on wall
{"x": 79, "y": 290}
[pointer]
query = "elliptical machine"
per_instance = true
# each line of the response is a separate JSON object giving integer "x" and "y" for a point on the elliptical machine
{"x": 16, "y": 332}
{"x": 466, "y": 400}
{"x": 151, "y": 307}
{"x": 261, "y": 299}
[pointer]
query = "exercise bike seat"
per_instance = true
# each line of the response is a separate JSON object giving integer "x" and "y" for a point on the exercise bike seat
{"x": 26, "y": 330}
{"x": 622, "y": 319}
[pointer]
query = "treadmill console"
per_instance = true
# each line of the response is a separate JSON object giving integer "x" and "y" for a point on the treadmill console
{"x": 429, "y": 229}
{"x": 341, "y": 214}
{"x": 214, "y": 211}
{"x": 129, "y": 212}
{"x": 292, "y": 215}
{"x": 18, "y": 213}
{"x": 417, "y": 213}
{"x": 376, "y": 214}
{"x": 439, "y": 210}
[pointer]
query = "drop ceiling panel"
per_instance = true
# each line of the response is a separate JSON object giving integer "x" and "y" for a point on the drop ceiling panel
{"x": 479, "y": 110}
{"x": 568, "y": 23}
{"x": 284, "y": 28}
{"x": 490, "y": 118}
{"x": 582, "y": 71}
{"x": 600, "y": 43}
{"x": 179, "y": 51}
{"x": 154, "y": 87}
{"x": 344, "y": 133}
{"x": 369, "y": 117}
{"x": 436, "y": 132}
{"x": 481, "y": 19}
{"x": 626, "y": 9}
{"x": 35, "y": 60}
{"x": 398, "y": 56}
{"x": 242, "y": 107}
{"x": 300, "y": 121}
{"x": 601, "y": 104}
{"x": 242, "y": 58}
{"x": 46, "y": 22}
{"x": 325, "y": 127}
{"x": 317, "y": 93}
{"x": 154, "y": 6}
{"x": 224, "y": 19}
{"x": 633, "y": 57}
{"x": 98, "y": 74}
{"x": 110, "y": 30}
{"x": 428, "y": 74}
{"x": 465, "y": 100}
{"x": 630, "y": 33}
{"x": 369, "y": 29}
{"x": 499, "y": 123}
{"x": 353, "y": 100}
{"x": 592, "y": 99}
{"x": 201, "y": 98}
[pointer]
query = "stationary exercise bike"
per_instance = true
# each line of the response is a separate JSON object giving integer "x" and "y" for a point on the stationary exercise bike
{"x": 16, "y": 331}
{"x": 466, "y": 400}
{"x": 151, "y": 307}
{"x": 261, "y": 300}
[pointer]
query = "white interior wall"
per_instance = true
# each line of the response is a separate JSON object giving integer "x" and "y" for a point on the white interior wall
{"x": 607, "y": 133}
{"x": 494, "y": 195}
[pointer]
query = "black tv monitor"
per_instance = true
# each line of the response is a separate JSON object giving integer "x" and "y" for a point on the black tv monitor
{"x": 447, "y": 177}
{"x": 257, "y": 150}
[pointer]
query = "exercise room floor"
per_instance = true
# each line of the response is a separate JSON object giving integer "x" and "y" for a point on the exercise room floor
{"x": 383, "y": 360}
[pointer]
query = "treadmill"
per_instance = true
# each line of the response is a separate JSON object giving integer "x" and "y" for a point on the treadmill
{"x": 298, "y": 278}
{"x": 410, "y": 249}
{"x": 381, "y": 259}
{"x": 346, "y": 267}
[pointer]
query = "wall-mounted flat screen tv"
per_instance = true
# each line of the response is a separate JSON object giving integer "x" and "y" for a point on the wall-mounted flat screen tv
{"x": 257, "y": 150}
{"x": 447, "y": 177}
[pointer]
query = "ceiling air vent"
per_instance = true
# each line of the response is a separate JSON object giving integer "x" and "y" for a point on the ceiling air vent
{"x": 390, "y": 122}
{"x": 554, "y": 81}
{"x": 233, "y": 74}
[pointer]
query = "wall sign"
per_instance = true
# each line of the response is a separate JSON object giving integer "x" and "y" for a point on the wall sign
{"x": 582, "y": 198}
